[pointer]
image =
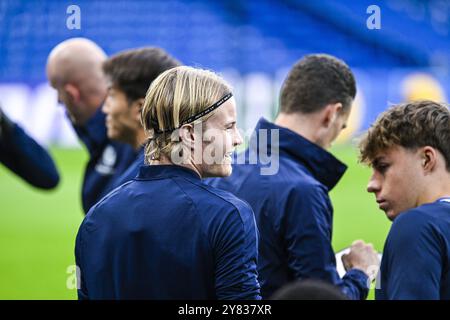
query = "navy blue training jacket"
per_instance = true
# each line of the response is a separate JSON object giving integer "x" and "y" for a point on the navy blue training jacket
{"x": 131, "y": 172}
{"x": 292, "y": 209}
{"x": 416, "y": 255}
{"x": 108, "y": 160}
{"x": 25, "y": 157}
{"x": 167, "y": 235}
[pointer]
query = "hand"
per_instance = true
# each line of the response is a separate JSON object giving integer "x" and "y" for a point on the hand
{"x": 362, "y": 256}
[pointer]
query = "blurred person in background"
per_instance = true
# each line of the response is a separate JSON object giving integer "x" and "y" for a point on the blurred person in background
{"x": 165, "y": 234}
{"x": 25, "y": 157}
{"x": 129, "y": 75}
{"x": 408, "y": 148}
{"x": 74, "y": 69}
{"x": 292, "y": 206}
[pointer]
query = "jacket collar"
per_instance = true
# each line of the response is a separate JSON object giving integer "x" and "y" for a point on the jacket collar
{"x": 93, "y": 133}
{"x": 150, "y": 172}
{"x": 323, "y": 165}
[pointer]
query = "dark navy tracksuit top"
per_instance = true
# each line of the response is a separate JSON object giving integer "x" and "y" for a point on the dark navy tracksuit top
{"x": 293, "y": 211}
{"x": 416, "y": 255}
{"x": 167, "y": 235}
{"x": 131, "y": 172}
{"x": 108, "y": 160}
{"x": 25, "y": 157}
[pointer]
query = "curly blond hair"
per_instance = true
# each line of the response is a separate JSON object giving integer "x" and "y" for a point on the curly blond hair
{"x": 410, "y": 125}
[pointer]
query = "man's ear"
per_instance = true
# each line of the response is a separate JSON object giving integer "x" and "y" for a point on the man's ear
{"x": 73, "y": 92}
{"x": 136, "y": 106}
{"x": 429, "y": 159}
{"x": 187, "y": 136}
{"x": 330, "y": 114}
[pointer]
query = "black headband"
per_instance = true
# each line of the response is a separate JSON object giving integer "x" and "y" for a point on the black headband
{"x": 200, "y": 114}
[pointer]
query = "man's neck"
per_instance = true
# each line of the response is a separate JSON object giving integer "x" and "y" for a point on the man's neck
{"x": 139, "y": 139}
{"x": 437, "y": 189}
{"x": 304, "y": 125}
{"x": 163, "y": 160}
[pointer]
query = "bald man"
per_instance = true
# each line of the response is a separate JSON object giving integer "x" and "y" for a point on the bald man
{"x": 74, "y": 69}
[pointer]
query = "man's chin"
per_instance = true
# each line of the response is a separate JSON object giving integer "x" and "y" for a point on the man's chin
{"x": 74, "y": 120}
{"x": 112, "y": 135}
{"x": 391, "y": 214}
{"x": 221, "y": 171}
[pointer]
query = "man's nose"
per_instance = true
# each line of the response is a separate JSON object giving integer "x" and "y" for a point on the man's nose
{"x": 105, "y": 107}
{"x": 237, "y": 138}
{"x": 373, "y": 185}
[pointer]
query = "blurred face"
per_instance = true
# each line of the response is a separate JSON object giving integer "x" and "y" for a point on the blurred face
{"x": 75, "y": 114}
{"x": 68, "y": 95}
{"x": 396, "y": 180}
{"x": 220, "y": 139}
{"x": 122, "y": 122}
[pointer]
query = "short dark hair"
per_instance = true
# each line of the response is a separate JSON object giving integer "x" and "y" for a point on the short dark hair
{"x": 132, "y": 71}
{"x": 308, "y": 290}
{"x": 410, "y": 125}
{"x": 315, "y": 81}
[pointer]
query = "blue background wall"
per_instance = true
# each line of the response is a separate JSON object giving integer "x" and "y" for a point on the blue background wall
{"x": 253, "y": 43}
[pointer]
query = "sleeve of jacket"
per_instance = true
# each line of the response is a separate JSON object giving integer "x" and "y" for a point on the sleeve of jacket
{"x": 81, "y": 285}
{"x": 414, "y": 259}
{"x": 307, "y": 224}
{"x": 236, "y": 243}
{"x": 25, "y": 157}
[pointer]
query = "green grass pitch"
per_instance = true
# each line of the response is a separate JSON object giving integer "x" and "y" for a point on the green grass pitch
{"x": 38, "y": 228}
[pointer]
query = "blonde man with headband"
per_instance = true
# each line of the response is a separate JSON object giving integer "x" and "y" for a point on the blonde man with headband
{"x": 165, "y": 234}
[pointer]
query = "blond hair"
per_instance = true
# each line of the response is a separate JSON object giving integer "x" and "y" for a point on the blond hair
{"x": 173, "y": 97}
